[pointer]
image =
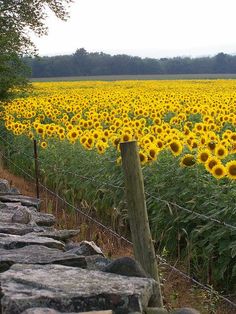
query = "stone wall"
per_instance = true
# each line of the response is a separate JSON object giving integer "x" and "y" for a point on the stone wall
{"x": 43, "y": 271}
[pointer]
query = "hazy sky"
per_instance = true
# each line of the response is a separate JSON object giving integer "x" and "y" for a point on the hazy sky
{"x": 146, "y": 28}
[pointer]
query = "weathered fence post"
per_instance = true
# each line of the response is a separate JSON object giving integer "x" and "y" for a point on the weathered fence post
{"x": 137, "y": 212}
{"x": 36, "y": 168}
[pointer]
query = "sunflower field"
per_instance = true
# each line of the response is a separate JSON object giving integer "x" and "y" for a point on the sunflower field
{"x": 186, "y": 134}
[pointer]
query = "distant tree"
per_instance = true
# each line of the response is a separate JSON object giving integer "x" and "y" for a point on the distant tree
{"x": 17, "y": 18}
{"x": 99, "y": 63}
{"x": 221, "y": 63}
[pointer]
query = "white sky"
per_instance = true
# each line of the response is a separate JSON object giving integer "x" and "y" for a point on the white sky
{"x": 145, "y": 28}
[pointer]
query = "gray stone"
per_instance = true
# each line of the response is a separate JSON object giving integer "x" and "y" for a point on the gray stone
{"x": 3, "y": 205}
{"x": 155, "y": 310}
{"x": 37, "y": 218}
{"x": 16, "y": 205}
{"x": 125, "y": 266}
{"x": 185, "y": 310}
{"x": 40, "y": 310}
{"x": 38, "y": 254}
{"x": 8, "y": 241}
{"x": 42, "y": 219}
{"x": 24, "y": 200}
{"x": 85, "y": 248}
{"x": 96, "y": 262}
{"x": 14, "y": 190}
{"x": 60, "y": 235}
{"x": 4, "y": 186}
{"x": 21, "y": 216}
{"x": 16, "y": 229}
{"x": 69, "y": 289}
{"x": 6, "y": 214}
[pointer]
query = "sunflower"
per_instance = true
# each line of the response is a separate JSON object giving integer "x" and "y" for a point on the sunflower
{"x": 44, "y": 144}
{"x": 218, "y": 171}
{"x": 101, "y": 147}
{"x": 89, "y": 144}
{"x": 152, "y": 152}
{"x": 221, "y": 151}
{"x": 203, "y": 155}
{"x": 160, "y": 143}
{"x": 211, "y": 145}
{"x": 231, "y": 169}
{"x": 211, "y": 162}
{"x": 143, "y": 157}
{"x": 126, "y": 137}
{"x": 176, "y": 147}
{"x": 188, "y": 160}
{"x": 72, "y": 135}
{"x": 119, "y": 160}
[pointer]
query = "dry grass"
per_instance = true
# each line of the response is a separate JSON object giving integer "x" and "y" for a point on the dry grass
{"x": 177, "y": 291}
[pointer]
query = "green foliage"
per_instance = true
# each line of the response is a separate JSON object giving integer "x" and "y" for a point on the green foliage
{"x": 208, "y": 247}
{"x": 168, "y": 116}
{"x": 13, "y": 73}
{"x": 16, "y": 19}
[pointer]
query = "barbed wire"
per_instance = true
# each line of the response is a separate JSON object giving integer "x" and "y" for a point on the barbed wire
{"x": 93, "y": 179}
{"x": 111, "y": 231}
{"x": 14, "y": 147}
{"x": 70, "y": 172}
{"x": 22, "y": 170}
{"x": 199, "y": 215}
{"x": 72, "y": 206}
{"x": 204, "y": 287}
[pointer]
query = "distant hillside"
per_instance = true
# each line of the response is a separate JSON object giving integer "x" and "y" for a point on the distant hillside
{"x": 83, "y": 63}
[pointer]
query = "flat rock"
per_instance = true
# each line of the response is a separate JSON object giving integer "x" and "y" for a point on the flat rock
{"x": 6, "y": 214}
{"x": 60, "y": 235}
{"x": 8, "y": 241}
{"x": 3, "y": 205}
{"x": 24, "y": 214}
{"x": 96, "y": 262}
{"x": 15, "y": 205}
{"x": 185, "y": 310}
{"x": 85, "y": 248}
{"x": 70, "y": 289}
{"x": 40, "y": 310}
{"x": 17, "y": 229}
{"x": 42, "y": 219}
{"x": 38, "y": 254}
{"x": 4, "y": 186}
{"x": 21, "y": 216}
{"x": 24, "y": 200}
{"x": 125, "y": 266}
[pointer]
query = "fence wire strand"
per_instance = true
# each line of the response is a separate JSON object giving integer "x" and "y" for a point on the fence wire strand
{"x": 199, "y": 215}
{"x": 204, "y": 287}
{"x": 118, "y": 236}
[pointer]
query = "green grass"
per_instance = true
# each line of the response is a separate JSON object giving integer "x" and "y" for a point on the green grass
{"x": 135, "y": 77}
{"x": 76, "y": 174}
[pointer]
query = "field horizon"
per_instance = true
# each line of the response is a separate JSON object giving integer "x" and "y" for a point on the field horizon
{"x": 135, "y": 77}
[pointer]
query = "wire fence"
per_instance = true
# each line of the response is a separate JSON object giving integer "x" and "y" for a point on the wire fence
{"x": 95, "y": 180}
{"x": 109, "y": 230}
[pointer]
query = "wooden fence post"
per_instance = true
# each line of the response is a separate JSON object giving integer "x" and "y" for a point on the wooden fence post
{"x": 36, "y": 168}
{"x": 137, "y": 212}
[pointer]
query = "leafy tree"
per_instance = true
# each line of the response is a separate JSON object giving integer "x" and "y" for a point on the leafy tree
{"x": 13, "y": 72}
{"x": 17, "y": 19}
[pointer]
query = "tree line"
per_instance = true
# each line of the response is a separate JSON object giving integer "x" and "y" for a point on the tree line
{"x": 83, "y": 63}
